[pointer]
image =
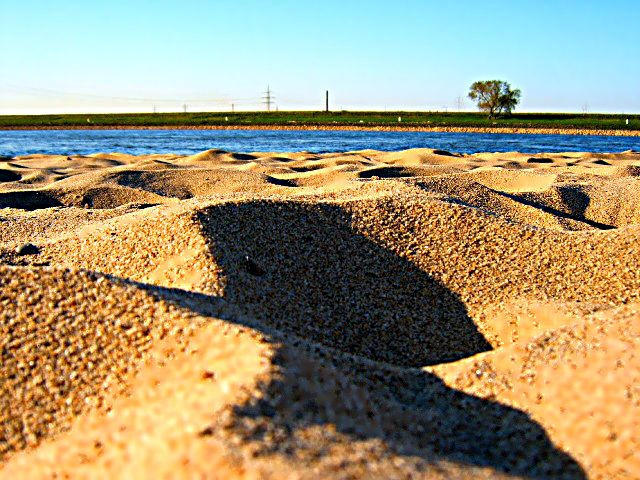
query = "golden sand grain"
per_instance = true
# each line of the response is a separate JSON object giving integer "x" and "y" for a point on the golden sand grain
{"x": 416, "y": 314}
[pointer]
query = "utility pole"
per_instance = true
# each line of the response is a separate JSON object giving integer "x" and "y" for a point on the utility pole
{"x": 233, "y": 107}
{"x": 268, "y": 99}
{"x": 184, "y": 108}
{"x": 326, "y": 101}
{"x": 459, "y": 102}
{"x": 154, "y": 109}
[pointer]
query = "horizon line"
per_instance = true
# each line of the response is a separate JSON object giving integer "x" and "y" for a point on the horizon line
{"x": 383, "y": 111}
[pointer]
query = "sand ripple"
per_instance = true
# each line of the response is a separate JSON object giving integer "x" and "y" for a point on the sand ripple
{"x": 417, "y": 314}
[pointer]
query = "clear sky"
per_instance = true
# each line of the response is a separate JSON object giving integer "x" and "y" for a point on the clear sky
{"x": 129, "y": 55}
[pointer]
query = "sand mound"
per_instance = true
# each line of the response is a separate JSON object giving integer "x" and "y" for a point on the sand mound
{"x": 184, "y": 385}
{"x": 271, "y": 253}
{"x": 277, "y": 400}
{"x": 417, "y": 314}
{"x": 43, "y": 226}
{"x": 564, "y": 377}
{"x": 417, "y": 157}
{"x": 609, "y": 203}
{"x": 69, "y": 343}
{"x": 628, "y": 171}
{"x": 510, "y": 181}
{"x": 218, "y": 156}
{"x": 112, "y": 197}
{"x": 463, "y": 190}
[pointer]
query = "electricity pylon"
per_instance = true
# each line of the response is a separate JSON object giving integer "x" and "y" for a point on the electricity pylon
{"x": 268, "y": 99}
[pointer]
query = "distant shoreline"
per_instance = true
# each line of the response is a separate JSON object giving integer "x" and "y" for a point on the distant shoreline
{"x": 365, "y": 128}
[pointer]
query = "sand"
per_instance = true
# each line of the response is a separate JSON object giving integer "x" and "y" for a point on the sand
{"x": 415, "y": 314}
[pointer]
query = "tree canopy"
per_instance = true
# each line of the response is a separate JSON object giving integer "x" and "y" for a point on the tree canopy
{"x": 494, "y": 97}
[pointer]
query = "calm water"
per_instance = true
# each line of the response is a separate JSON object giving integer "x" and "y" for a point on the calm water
{"x": 70, "y": 142}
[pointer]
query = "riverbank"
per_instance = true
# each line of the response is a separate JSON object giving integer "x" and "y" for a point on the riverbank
{"x": 474, "y": 122}
{"x": 379, "y": 128}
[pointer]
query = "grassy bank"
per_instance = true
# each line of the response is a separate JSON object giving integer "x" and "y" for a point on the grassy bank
{"x": 333, "y": 119}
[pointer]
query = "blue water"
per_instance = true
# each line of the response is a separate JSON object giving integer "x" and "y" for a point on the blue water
{"x": 76, "y": 142}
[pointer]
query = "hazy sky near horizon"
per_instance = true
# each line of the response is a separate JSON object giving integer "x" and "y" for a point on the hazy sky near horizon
{"x": 77, "y": 56}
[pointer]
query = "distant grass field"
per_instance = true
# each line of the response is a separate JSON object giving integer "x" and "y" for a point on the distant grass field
{"x": 344, "y": 118}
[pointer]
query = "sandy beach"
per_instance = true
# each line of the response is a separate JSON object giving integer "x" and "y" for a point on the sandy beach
{"x": 367, "y": 314}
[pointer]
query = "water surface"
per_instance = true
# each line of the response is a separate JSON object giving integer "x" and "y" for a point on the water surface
{"x": 78, "y": 142}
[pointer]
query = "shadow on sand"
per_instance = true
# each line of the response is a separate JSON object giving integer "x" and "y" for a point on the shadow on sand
{"x": 305, "y": 277}
{"x": 576, "y": 200}
{"x": 303, "y": 269}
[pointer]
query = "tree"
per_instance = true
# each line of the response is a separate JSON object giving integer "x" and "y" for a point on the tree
{"x": 494, "y": 97}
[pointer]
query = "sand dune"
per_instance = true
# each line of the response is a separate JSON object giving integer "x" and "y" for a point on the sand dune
{"x": 416, "y": 314}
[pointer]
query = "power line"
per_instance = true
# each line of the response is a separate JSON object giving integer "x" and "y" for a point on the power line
{"x": 49, "y": 92}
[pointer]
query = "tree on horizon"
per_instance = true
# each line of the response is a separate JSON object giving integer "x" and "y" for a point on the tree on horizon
{"x": 494, "y": 97}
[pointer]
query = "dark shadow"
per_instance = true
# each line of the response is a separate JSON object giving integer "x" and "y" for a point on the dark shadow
{"x": 386, "y": 172}
{"x": 15, "y": 165}
{"x": 131, "y": 178}
{"x": 575, "y": 200}
{"x": 9, "y": 176}
{"x": 242, "y": 156}
{"x": 324, "y": 281}
{"x": 142, "y": 206}
{"x": 446, "y": 153}
{"x": 404, "y": 411}
{"x": 306, "y": 277}
{"x": 170, "y": 165}
{"x": 306, "y": 168}
{"x": 281, "y": 182}
{"x": 539, "y": 160}
{"x": 412, "y": 412}
{"x": 28, "y": 200}
{"x": 303, "y": 273}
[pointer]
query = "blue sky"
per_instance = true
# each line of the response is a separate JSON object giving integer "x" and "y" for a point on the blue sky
{"x": 130, "y": 55}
